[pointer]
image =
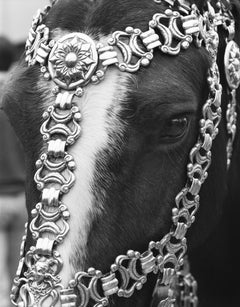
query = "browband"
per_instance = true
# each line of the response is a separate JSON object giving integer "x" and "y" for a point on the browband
{"x": 72, "y": 62}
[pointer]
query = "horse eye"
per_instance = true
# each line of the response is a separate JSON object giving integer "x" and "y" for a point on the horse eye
{"x": 175, "y": 128}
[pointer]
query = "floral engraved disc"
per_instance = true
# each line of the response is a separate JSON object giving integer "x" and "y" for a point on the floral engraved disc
{"x": 232, "y": 64}
{"x": 73, "y": 60}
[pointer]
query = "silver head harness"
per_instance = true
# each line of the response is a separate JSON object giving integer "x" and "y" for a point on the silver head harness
{"x": 72, "y": 62}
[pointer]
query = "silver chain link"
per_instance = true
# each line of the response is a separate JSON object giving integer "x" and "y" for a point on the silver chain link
{"x": 55, "y": 168}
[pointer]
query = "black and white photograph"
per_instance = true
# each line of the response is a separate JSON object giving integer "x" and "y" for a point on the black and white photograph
{"x": 119, "y": 153}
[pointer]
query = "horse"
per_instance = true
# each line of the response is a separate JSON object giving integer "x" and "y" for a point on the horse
{"x": 107, "y": 186}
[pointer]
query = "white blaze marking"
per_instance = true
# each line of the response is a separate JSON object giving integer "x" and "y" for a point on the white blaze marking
{"x": 94, "y": 106}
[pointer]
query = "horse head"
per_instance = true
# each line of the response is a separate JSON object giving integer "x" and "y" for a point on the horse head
{"x": 120, "y": 161}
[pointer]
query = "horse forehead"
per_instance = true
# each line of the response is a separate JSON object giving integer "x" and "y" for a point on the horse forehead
{"x": 105, "y": 96}
{"x": 100, "y": 107}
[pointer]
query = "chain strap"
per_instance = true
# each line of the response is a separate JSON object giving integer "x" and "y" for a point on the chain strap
{"x": 181, "y": 292}
{"x": 54, "y": 177}
{"x": 232, "y": 72}
{"x": 41, "y": 280}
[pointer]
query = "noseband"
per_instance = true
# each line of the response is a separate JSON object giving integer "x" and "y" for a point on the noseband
{"x": 73, "y": 62}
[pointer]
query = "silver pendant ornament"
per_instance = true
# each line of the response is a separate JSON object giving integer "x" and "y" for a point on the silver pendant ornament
{"x": 72, "y": 63}
{"x": 232, "y": 64}
{"x": 232, "y": 73}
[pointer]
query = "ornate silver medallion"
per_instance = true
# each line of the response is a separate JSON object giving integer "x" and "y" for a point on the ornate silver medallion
{"x": 232, "y": 64}
{"x": 73, "y": 60}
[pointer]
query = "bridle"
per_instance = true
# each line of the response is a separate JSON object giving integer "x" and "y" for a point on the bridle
{"x": 72, "y": 62}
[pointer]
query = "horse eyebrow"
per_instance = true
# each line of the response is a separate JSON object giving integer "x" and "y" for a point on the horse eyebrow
{"x": 162, "y": 91}
{"x": 162, "y": 100}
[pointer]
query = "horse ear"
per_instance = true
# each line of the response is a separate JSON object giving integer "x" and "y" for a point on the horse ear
{"x": 12, "y": 95}
{"x": 9, "y": 91}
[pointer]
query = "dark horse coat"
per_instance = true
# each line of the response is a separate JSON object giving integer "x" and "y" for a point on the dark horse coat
{"x": 132, "y": 175}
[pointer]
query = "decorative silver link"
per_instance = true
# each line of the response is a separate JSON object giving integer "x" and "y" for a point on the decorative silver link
{"x": 54, "y": 223}
{"x": 44, "y": 246}
{"x": 148, "y": 262}
{"x": 150, "y": 39}
{"x": 110, "y": 284}
{"x": 55, "y": 168}
{"x": 50, "y": 197}
{"x": 129, "y": 272}
{"x": 41, "y": 281}
{"x": 56, "y": 148}
{"x": 37, "y": 49}
{"x": 232, "y": 71}
{"x": 61, "y": 123}
{"x": 107, "y": 55}
{"x": 90, "y": 291}
{"x": 130, "y": 50}
{"x": 170, "y": 32}
{"x": 16, "y": 282}
{"x": 57, "y": 172}
{"x": 64, "y": 100}
{"x": 191, "y": 24}
{"x": 54, "y": 177}
{"x": 197, "y": 170}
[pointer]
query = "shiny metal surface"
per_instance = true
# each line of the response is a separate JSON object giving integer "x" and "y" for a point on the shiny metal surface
{"x": 62, "y": 63}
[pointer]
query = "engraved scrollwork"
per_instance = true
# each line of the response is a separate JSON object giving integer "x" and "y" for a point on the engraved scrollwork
{"x": 170, "y": 32}
{"x": 232, "y": 72}
{"x": 202, "y": 157}
{"x": 50, "y": 222}
{"x": 133, "y": 53}
{"x": 131, "y": 279}
{"x": 183, "y": 220}
{"x": 185, "y": 200}
{"x": 57, "y": 172}
{"x": 232, "y": 64}
{"x": 61, "y": 122}
{"x": 208, "y": 110}
{"x": 168, "y": 265}
{"x": 41, "y": 281}
{"x": 37, "y": 48}
{"x": 173, "y": 247}
{"x": 73, "y": 62}
{"x": 197, "y": 176}
{"x": 82, "y": 289}
{"x": 87, "y": 286}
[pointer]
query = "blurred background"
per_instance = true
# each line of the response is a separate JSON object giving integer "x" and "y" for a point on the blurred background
{"x": 16, "y": 16}
{"x": 15, "y": 21}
